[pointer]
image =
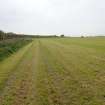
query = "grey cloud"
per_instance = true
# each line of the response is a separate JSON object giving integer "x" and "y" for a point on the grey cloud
{"x": 71, "y": 17}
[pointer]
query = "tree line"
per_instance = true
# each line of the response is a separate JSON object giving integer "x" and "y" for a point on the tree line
{"x": 10, "y": 35}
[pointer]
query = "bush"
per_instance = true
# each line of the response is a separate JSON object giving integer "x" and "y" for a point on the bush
{"x": 8, "y": 48}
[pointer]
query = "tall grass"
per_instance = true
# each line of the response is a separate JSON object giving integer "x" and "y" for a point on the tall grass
{"x": 10, "y": 46}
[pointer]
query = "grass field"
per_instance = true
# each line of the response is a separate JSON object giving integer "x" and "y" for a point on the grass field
{"x": 55, "y": 71}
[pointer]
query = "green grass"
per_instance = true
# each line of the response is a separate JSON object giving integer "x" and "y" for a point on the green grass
{"x": 8, "y": 47}
{"x": 60, "y": 71}
{"x": 8, "y": 65}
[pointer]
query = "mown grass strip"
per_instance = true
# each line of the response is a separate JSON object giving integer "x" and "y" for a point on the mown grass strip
{"x": 8, "y": 65}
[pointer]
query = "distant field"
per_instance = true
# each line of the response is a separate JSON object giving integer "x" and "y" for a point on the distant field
{"x": 55, "y": 71}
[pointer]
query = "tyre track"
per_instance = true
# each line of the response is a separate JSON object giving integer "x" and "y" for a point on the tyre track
{"x": 20, "y": 87}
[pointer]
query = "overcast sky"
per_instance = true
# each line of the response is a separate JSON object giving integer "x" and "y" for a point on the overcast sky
{"x": 69, "y": 17}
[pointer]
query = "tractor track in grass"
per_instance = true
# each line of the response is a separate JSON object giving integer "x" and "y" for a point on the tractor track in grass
{"x": 7, "y": 67}
{"x": 73, "y": 75}
{"x": 12, "y": 71}
{"x": 57, "y": 75}
{"x": 19, "y": 89}
{"x": 53, "y": 95}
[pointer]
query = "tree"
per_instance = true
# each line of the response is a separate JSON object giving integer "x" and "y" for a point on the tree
{"x": 2, "y": 35}
{"x": 62, "y": 35}
{"x": 82, "y": 36}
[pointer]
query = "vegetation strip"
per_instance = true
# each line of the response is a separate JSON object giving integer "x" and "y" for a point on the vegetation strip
{"x": 8, "y": 47}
